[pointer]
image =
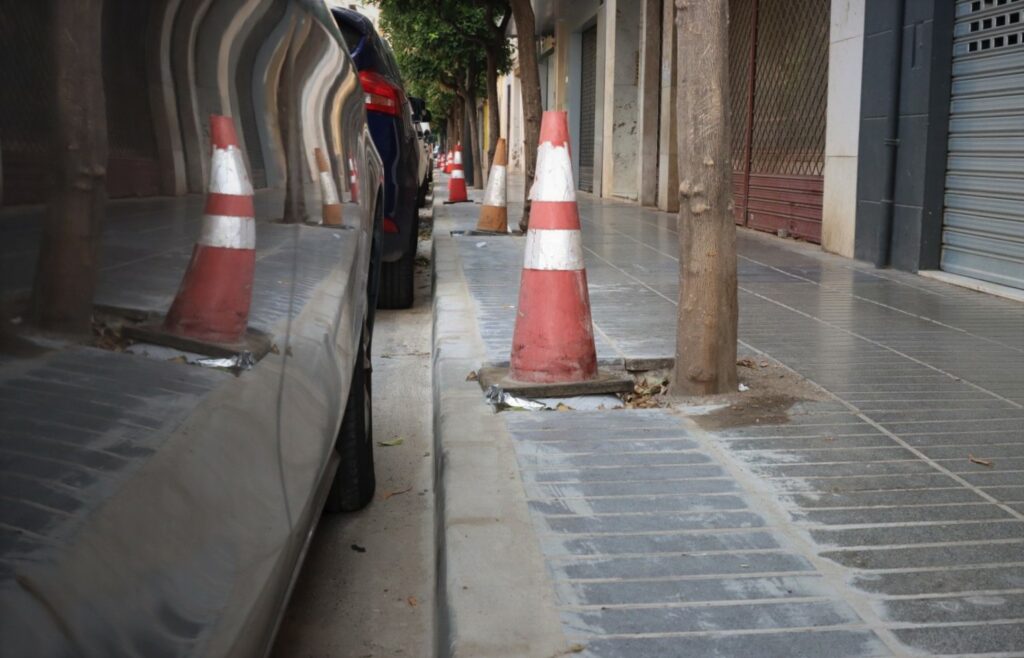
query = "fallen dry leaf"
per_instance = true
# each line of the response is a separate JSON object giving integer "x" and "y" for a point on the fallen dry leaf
{"x": 471, "y": 377}
{"x": 976, "y": 460}
{"x": 746, "y": 362}
{"x": 412, "y": 601}
{"x": 395, "y": 493}
{"x": 563, "y": 407}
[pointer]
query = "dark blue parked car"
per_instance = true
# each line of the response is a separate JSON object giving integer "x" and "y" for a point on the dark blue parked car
{"x": 389, "y": 116}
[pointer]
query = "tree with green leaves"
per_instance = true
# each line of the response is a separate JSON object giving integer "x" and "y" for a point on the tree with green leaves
{"x": 449, "y": 50}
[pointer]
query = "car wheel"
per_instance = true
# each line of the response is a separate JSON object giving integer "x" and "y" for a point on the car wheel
{"x": 397, "y": 278}
{"x": 355, "y": 482}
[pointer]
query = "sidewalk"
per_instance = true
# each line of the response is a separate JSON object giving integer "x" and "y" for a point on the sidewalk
{"x": 845, "y": 519}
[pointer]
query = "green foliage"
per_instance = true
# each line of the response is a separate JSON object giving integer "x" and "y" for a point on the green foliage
{"x": 441, "y": 46}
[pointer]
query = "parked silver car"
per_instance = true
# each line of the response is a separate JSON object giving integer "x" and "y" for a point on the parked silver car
{"x": 156, "y": 502}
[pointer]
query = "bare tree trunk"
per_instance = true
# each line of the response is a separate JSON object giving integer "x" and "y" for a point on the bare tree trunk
{"x": 474, "y": 141}
{"x": 291, "y": 136}
{"x": 493, "y": 117}
{"x": 706, "y": 330}
{"x": 533, "y": 107}
{"x": 66, "y": 272}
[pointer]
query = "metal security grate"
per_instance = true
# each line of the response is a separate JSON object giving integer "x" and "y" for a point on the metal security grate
{"x": 741, "y": 40}
{"x": 792, "y": 88}
{"x": 588, "y": 98}
{"x": 25, "y": 113}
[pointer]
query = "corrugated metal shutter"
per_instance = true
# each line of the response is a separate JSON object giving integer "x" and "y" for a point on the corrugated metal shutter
{"x": 983, "y": 226}
{"x": 588, "y": 99}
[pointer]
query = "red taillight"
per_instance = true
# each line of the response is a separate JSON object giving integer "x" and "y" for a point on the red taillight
{"x": 381, "y": 95}
{"x": 390, "y": 226}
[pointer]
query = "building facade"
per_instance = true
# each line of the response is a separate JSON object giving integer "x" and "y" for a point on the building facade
{"x": 887, "y": 131}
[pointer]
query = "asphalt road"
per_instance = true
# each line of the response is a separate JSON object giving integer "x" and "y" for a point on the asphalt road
{"x": 367, "y": 586}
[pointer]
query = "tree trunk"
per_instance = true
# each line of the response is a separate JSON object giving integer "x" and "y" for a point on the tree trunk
{"x": 529, "y": 75}
{"x": 66, "y": 271}
{"x": 493, "y": 116}
{"x": 706, "y": 331}
{"x": 474, "y": 141}
{"x": 291, "y": 135}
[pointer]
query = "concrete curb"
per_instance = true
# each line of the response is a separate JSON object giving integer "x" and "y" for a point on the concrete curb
{"x": 494, "y": 594}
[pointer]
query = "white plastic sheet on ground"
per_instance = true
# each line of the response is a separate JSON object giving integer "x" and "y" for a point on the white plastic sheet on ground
{"x": 501, "y": 399}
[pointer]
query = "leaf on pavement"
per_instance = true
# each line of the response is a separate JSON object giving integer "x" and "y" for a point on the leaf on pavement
{"x": 391, "y": 443}
{"x": 395, "y": 493}
{"x": 977, "y": 460}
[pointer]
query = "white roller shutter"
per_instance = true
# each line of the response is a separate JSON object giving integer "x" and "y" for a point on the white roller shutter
{"x": 983, "y": 225}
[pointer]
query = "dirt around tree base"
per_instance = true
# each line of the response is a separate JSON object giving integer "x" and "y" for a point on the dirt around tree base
{"x": 771, "y": 391}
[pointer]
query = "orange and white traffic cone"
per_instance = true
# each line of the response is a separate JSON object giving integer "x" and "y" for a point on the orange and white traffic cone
{"x": 328, "y": 191}
{"x": 213, "y": 301}
{"x": 457, "y": 183}
{"x": 449, "y": 162}
{"x": 494, "y": 213}
{"x": 553, "y": 340}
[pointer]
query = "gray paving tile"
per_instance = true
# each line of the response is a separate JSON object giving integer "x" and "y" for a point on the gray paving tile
{"x": 659, "y": 543}
{"x": 949, "y": 555}
{"x": 969, "y": 577}
{"x": 693, "y": 591}
{"x": 920, "y": 534}
{"x": 752, "y": 616}
{"x": 966, "y": 608}
{"x": 639, "y": 504}
{"x": 834, "y": 644}
{"x": 917, "y": 513}
{"x": 667, "y": 566}
{"x": 1006, "y": 638}
{"x": 618, "y": 474}
{"x": 650, "y": 487}
{"x": 638, "y": 523}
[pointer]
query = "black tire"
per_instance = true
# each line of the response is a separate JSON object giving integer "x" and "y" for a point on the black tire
{"x": 397, "y": 279}
{"x": 355, "y": 482}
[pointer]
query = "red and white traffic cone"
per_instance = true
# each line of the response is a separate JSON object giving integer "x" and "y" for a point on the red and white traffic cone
{"x": 494, "y": 213}
{"x": 449, "y": 162}
{"x": 353, "y": 181}
{"x": 457, "y": 183}
{"x": 214, "y": 298}
{"x": 329, "y": 200}
{"x": 553, "y": 340}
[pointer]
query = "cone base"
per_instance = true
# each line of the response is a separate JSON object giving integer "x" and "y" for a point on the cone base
{"x": 493, "y": 218}
{"x": 603, "y": 382}
{"x": 554, "y": 335}
{"x": 332, "y": 215}
{"x": 215, "y": 294}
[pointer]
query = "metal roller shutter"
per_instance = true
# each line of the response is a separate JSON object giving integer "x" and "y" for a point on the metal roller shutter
{"x": 588, "y": 99}
{"x": 983, "y": 224}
